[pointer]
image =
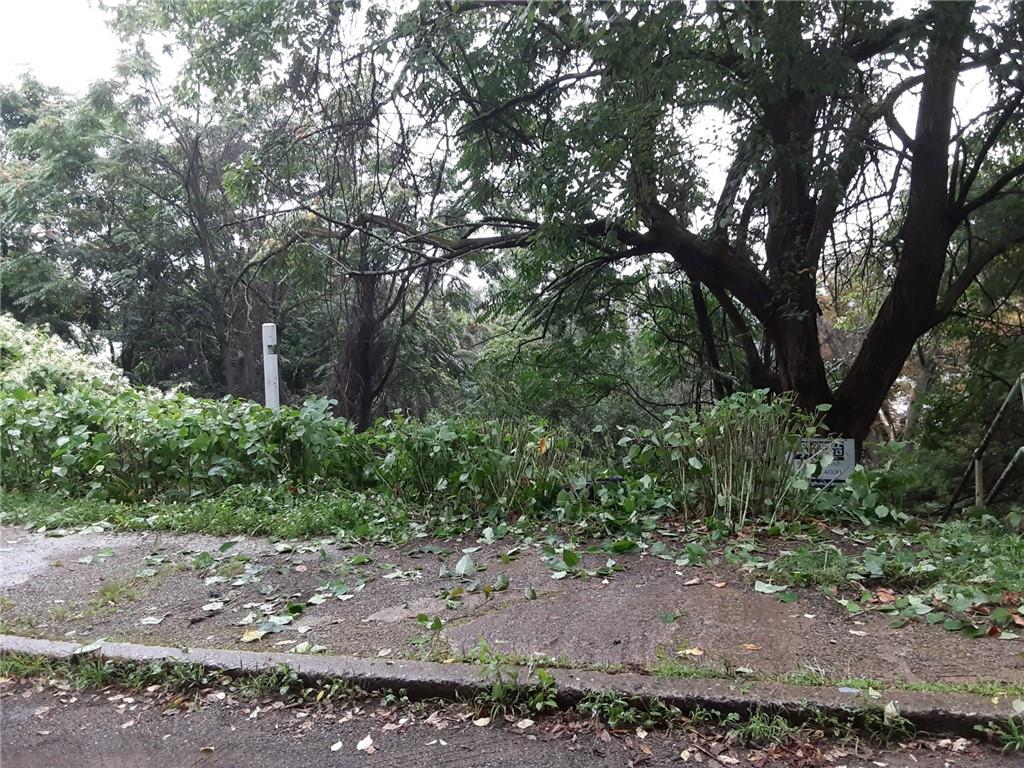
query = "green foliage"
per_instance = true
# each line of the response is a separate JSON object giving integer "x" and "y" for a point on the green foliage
{"x": 964, "y": 576}
{"x": 731, "y": 461}
{"x": 35, "y": 360}
{"x": 623, "y": 711}
{"x": 91, "y": 672}
{"x": 510, "y": 692}
{"x": 250, "y": 509}
{"x": 1009, "y": 734}
{"x": 135, "y": 445}
{"x": 472, "y": 464}
{"x": 71, "y": 426}
{"x": 763, "y": 728}
{"x": 867, "y": 498}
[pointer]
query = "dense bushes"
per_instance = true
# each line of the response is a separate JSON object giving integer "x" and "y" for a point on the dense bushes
{"x": 32, "y": 359}
{"x": 133, "y": 444}
{"x": 733, "y": 459}
{"x": 67, "y": 429}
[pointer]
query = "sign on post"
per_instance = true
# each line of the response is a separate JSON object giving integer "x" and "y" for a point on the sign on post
{"x": 835, "y": 456}
{"x": 271, "y": 384}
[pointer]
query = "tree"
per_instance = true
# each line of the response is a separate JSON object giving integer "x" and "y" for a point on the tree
{"x": 579, "y": 126}
{"x": 337, "y": 162}
{"x": 121, "y": 194}
{"x": 45, "y": 145}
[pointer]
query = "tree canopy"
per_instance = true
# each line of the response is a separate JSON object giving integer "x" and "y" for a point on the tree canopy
{"x": 794, "y": 196}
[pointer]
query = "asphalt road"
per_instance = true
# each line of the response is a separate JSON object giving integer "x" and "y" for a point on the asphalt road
{"x": 47, "y": 727}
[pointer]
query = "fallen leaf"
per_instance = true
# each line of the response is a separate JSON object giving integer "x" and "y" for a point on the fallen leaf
{"x": 885, "y": 596}
{"x": 719, "y": 584}
{"x": 252, "y": 635}
{"x": 691, "y": 582}
{"x": 216, "y": 605}
{"x": 692, "y": 652}
{"x": 727, "y": 760}
{"x": 768, "y": 589}
{"x": 524, "y": 723}
{"x": 750, "y": 647}
{"x": 465, "y": 566}
{"x": 152, "y": 619}
{"x": 365, "y": 744}
{"x": 482, "y": 721}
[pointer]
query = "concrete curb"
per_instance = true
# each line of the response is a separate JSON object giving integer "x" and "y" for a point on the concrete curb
{"x": 955, "y": 713}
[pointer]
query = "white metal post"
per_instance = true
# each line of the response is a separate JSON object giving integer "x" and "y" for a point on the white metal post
{"x": 270, "y": 378}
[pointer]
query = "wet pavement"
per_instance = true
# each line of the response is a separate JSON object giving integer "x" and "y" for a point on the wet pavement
{"x": 202, "y": 591}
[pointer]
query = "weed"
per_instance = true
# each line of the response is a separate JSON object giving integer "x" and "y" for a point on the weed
{"x": 1009, "y": 735}
{"x": 17, "y": 624}
{"x": 763, "y": 728}
{"x": 676, "y": 669}
{"x": 484, "y": 653}
{"x": 824, "y": 565}
{"x": 110, "y": 595}
{"x": 276, "y": 682}
{"x": 432, "y": 634}
{"x": 92, "y": 672}
{"x": 815, "y": 676}
{"x": 508, "y": 695}
{"x": 619, "y": 710}
{"x": 884, "y": 725}
{"x": 19, "y": 665}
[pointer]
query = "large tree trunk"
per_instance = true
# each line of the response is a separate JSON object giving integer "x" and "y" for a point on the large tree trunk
{"x": 909, "y": 309}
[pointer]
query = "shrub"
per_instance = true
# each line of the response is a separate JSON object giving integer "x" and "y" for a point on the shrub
{"x": 72, "y": 425}
{"x": 471, "y": 464}
{"x": 731, "y": 461}
{"x": 135, "y": 444}
{"x": 32, "y": 359}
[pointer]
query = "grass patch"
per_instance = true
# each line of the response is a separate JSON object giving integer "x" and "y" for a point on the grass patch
{"x": 247, "y": 510}
{"x": 761, "y": 728}
{"x": 814, "y": 677}
{"x": 111, "y": 595}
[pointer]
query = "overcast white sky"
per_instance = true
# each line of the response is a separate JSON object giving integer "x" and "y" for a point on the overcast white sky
{"x": 66, "y": 43}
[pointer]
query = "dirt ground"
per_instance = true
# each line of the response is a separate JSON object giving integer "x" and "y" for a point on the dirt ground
{"x": 47, "y": 727}
{"x": 166, "y": 589}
